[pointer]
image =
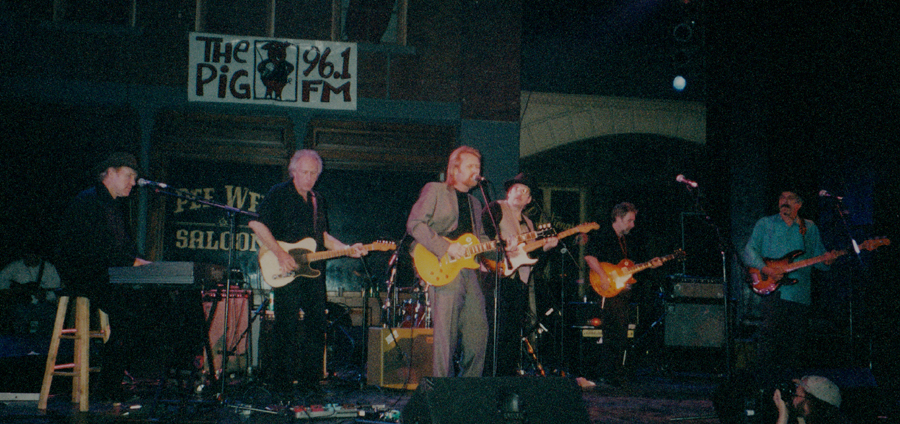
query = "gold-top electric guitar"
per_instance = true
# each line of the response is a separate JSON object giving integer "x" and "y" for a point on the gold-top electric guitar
{"x": 304, "y": 253}
{"x": 520, "y": 256}
{"x": 763, "y": 285}
{"x": 620, "y": 275}
{"x": 438, "y": 272}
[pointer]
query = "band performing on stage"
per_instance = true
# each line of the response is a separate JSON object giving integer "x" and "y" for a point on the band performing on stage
{"x": 485, "y": 288}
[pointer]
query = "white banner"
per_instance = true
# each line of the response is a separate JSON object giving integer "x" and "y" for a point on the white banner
{"x": 283, "y": 72}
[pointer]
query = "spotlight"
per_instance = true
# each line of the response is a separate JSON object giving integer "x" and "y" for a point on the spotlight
{"x": 679, "y": 83}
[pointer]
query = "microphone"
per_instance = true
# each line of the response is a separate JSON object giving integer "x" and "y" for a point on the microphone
{"x": 681, "y": 179}
{"x": 142, "y": 182}
{"x": 479, "y": 179}
{"x": 824, "y": 193}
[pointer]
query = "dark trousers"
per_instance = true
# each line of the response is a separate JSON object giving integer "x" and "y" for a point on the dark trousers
{"x": 298, "y": 343}
{"x": 782, "y": 338}
{"x": 615, "y": 336}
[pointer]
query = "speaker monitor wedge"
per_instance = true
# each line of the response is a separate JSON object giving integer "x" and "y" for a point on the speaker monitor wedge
{"x": 457, "y": 400}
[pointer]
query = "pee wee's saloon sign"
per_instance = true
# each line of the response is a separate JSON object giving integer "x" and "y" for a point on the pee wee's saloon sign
{"x": 283, "y": 72}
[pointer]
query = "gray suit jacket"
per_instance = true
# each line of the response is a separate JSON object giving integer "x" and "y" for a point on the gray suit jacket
{"x": 436, "y": 213}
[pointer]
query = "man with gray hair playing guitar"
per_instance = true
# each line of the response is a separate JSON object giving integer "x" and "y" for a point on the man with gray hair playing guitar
{"x": 292, "y": 212}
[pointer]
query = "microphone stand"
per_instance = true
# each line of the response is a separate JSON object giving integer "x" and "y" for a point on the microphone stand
{"x": 564, "y": 253}
{"x": 230, "y": 212}
{"x": 723, "y": 248}
{"x": 256, "y": 314}
{"x": 501, "y": 255}
{"x": 839, "y": 207}
{"x": 392, "y": 297}
{"x": 365, "y": 318}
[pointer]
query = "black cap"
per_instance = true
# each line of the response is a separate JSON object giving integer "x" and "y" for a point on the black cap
{"x": 117, "y": 160}
{"x": 519, "y": 179}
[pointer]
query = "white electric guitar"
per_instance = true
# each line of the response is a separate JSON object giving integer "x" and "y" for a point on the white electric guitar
{"x": 304, "y": 253}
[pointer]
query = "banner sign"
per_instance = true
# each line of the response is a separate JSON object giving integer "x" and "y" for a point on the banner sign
{"x": 197, "y": 232}
{"x": 270, "y": 71}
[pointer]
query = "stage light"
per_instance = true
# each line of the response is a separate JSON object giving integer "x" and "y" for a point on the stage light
{"x": 679, "y": 83}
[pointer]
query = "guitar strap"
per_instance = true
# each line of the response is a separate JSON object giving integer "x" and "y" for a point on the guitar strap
{"x": 315, "y": 216}
{"x": 624, "y": 246}
{"x": 40, "y": 274}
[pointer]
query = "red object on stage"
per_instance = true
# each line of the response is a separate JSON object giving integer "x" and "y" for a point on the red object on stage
{"x": 238, "y": 318}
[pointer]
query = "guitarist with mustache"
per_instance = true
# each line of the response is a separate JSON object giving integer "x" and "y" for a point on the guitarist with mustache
{"x": 612, "y": 246}
{"x": 290, "y": 212}
{"x": 782, "y": 335}
{"x": 443, "y": 212}
{"x": 513, "y": 290}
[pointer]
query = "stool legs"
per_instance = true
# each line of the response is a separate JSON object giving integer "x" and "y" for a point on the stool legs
{"x": 81, "y": 368}
{"x": 82, "y": 352}
{"x": 54, "y": 349}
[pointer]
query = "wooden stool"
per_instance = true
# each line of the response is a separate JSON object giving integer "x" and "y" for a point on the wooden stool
{"x": 82, "y": 334}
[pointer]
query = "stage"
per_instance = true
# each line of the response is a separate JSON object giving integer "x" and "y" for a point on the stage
{"x": 648, "y": 399}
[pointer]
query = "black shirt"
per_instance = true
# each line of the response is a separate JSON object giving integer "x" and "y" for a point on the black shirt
{"x": 464, "y": 221}
{"x": 93, "y": 236}
{"x": 290, "y": 217}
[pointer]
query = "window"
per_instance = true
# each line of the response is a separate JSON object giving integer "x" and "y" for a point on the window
{"x": 370, "y": 21}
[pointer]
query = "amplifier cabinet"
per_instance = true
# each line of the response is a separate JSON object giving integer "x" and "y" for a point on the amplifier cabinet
{"x": 695, "y": 325}
{"x": 399, "y": 357}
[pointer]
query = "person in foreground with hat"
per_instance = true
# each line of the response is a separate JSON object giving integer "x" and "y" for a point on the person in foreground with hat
{"x": 816, "y": 400}
{"x": 513, "y": 289}
{"x": 94, "y": 235}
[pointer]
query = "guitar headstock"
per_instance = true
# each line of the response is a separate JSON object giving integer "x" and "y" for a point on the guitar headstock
{"x": 587, "y": 227}
{"x": 543, "y": 230}
{"x": 875, "y": 243}
{"x": 383, "y": 246}
{"x": 679, "y": 255}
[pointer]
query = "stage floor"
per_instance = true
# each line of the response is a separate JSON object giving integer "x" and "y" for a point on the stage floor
{"x": 645, "y": 399}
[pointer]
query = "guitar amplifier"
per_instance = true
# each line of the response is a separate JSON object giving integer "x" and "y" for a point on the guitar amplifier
{"x": 399, "y": 357}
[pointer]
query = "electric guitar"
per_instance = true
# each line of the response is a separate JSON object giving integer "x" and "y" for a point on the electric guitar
{"x": 304, "y": 253}
{"x": 440, "y": 271}
{"x": 520, "y": 256}
{"x": 620, "y": 275}
{"x": 763, "y": 285}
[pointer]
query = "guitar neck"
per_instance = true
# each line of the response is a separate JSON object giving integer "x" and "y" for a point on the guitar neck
{"x": 634, "y": 269}
{"x": 532, "y": 246}
{"x": 811, "y": 261}
{"x": 491, "y": 245}
{"x": 331, "y": 254}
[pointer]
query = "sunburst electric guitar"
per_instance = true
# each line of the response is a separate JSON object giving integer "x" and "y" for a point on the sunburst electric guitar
{"x": 520, "y": 256}
{"x": 440, "y": 271}
{"x": 763, "y": 285}
{"x": 304, "y": 253}
{"x": 620, "y": 275}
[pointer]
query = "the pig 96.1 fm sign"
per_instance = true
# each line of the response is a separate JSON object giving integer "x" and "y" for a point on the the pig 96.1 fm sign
{"x": 283, "y": 72}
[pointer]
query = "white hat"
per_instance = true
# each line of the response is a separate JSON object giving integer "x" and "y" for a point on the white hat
{"x": 822, "y": 388}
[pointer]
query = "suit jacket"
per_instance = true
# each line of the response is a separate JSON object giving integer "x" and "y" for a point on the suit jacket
{"x": 436, "y": 213}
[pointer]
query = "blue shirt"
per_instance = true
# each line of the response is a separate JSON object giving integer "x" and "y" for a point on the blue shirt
{"x": 772, "y": 238}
